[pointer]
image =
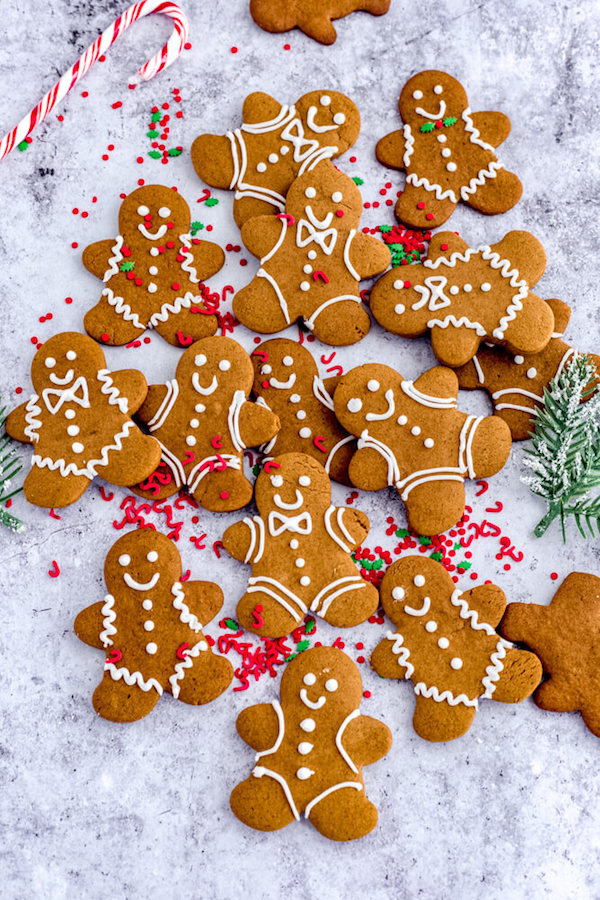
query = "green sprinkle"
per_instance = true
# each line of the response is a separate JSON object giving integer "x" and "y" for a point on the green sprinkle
{"x": 465, "y": 566}
{"x": 425, "y": 541}
{"x": 449, "y": 121}
{"x": 155, "y": 154}
{"x": 256, "y": 470}
{"x": 302, "y": 645}
{"x": 377, "y": 564}
{"x": 402, "y": 532}
{"x": 457, "y": 545}
{"x": 427, "y": 127}
{"x": 357, "y": 180}
{"x": 152, "y": 134}
{"x": 385, "y": 229}
{"x": 156, "y": 117}
{"x": 438, "y": 555}
{"x": 231, "y": 623}
{"x": 127, "y": 266}
{"x": 23, "y": 146}
{"x": 212, "y": 201}
{"x": 310, "y": 626}
{"x": 175, "y": 151}
{"x": 196, "y": 226}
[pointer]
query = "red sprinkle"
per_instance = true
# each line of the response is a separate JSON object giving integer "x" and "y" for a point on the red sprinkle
{"x": 53, "y": 515}
{"x": 54, "y": 572}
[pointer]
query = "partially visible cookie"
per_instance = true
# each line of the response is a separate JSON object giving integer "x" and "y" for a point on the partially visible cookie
{"x": 445, "y": 642}
{"x": 311, "y": 748}
{"x": 566, "y": 637}
{"x": 313, "y": 17}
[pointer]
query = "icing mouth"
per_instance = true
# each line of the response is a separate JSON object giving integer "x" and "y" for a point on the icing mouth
{"x": 376, "y": 417}
{"x": 438, "y": 115}
{"x": 283, "y": 505}
{"x": 318, "y": 223}
{"x": 419, "y": 612}
{"x": 138, "y": 585}
{"x": 56, "y": 380}
{"x": 204, "y": 390}
{"x": 317, "y": 704}
{"x": 310, "y": 121}
{"x": 283, "y": 385}
{"x": 157, "y": 234}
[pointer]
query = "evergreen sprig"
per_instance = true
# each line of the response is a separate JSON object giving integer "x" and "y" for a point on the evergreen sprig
{"x": 9, "y": 466}
{"x": 564, "y": 459}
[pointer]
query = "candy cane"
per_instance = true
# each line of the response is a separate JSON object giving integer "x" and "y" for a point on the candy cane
{"x": 159, "y": 61}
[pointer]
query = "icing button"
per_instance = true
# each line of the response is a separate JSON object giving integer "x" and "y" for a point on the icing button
{"x": 428, "y": 442}
{"x": 456, "y": 663}
{"x": 446, "y": 152}
{"x": 307, "y": 269}
{"x": 301, "y": 414}
{"x": 69, "y": 413}
{"x": 486, "y": 286}
{"x": 304, "y": 747}
{"x": 415, "y": 430}
{"x": 72, "y": 430}
{"x": 531, "y": 373}
{"x": 153, "y": 251}
{"x": 431, "y": 626}
{"x": 190, "y": 440}
{"x": 402, "y": 420}
{"x": 307, "y": 725}
{"x": 273, "y": 158}
{"x": 152, "y": 288}
{"x": 300, "y": 562}
{"x": 373, "y": 385}
{"x": 305, "y": 286}
{"x": 151, "y": 648}
{"x": 304, "y": 432}
{"x": 294, "y": 544}
{"x": 451, "y": 166}
{"x": 519, "y": 360}
{"x": 312, "y": 254}
{"x": 153, "y": 270}
{"x": 454, "y": 289}
{"x": 303, "y": 773}
{"x": 149, "y": 625}
{"x": 77, "y": 447}
{"x": 305, "y": 581}
{"x": 147, "y": 604}
{"x": 443, "y": 643}
{"x": 295, "y": 398}
{"x": 261, "y": 167}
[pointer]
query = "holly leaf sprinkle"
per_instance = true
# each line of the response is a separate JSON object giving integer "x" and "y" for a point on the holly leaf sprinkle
{"x": 310, "y": 626}
{"x": 231, "y": 623}
{"x": 152, "y": 134}
{"x": 385, "y": 229}
{"x": 156, "y": 117}
{"x": 427, "y": 127}
{"x": 155, "y": 154}
{"x": 465, "y": 566}
{"x": 447, "y": 122}
{"x": 175, "y": 151}
{"x": 196, "y": 226}
{"x": 302, "y": 645}
{"x": 212, "y": 201}
{"x": 127, "y": 266}
{"x": 425, "y": 541}
{"x": 357, "y": 180}
{"x": 402, "y": 532}
{"x": 437, "y": 556}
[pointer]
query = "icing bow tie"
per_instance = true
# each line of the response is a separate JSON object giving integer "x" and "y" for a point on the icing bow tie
{"x": 300, "y": 524}
{"x": 75, "y": 393}
{"x": 432, "y": 293}
{"x": 325, "y": 239}
{"x": 303, "y": 147}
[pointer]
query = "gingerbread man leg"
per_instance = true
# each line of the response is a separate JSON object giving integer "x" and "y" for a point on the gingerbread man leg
{"x": 591, "y": 717}
{"x": 49, "y": 489}
{"x": 435, "y": 506}
{"x": 178, "y": 328}
{"x": 140, "y": 456}
{"x": 209, "y": 676}
{"x": 353, "y": 606}
{"x": 368, "y": 470}
{"x": 340, "y": 324}
{"x": 223, "y": 491}
{"x": 554, "y": 699}
{"x": 438, "y": 721}
{"x": 261, "y": 803}
{"x": 519, "y": 678}
{"x": 277, "y": 621}
{"x": 454, "y": 346}
{"x": 119, "y": 702}
{"x": 258, "y": 307}
{"x": 409, "y": 211}
{"x": 107, "y": 326}
{"x": 344, "y": 815}
{"x": 497, "y": 195}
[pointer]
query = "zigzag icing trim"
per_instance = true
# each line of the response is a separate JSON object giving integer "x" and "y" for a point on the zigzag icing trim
{"x": 492, "y": 672}
{"x": 479, "y": 179}
{"x": 108, "y": 388}
{"x": 409, "y": 146}
{"x": 184, "y": 611}
{"x": 188, "y": 264}
{"x": 33, "y": 424}
{"x": 122, "y": 308}
{"x": 186, "y": 663}
{"x": 445, "y": 696}
{"x": 440, "y": 193}
{"x": 131, "y": 678}
{"x": 107, "y": 622}
{"x": 169, "y": 309}
{"x": 117, "y": 256}
{"x": 473, "y": 132}
{"x": 90, "y": 469}
{"x": 401, "y": 651}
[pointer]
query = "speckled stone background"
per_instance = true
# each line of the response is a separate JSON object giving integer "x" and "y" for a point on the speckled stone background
{"x": 89, "y": 809}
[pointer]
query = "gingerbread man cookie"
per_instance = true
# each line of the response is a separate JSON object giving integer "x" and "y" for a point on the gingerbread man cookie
{"x": 299, "y": 548}
{"x": 465, "y": 295}
{"x": 286, "y": 381}
{"x": 311, "y": 748}
{"x": 412, "y": 436}
{"x": 79, "y": 422}
{"x": 446, "y": 643}
{"x": 312, "y": 260}
{"x": 566, "y": 637}
{"x": 313, "y": 17}
{"x": 274, "y": 145}
{"x": 447, "y": 152}
{"x": 203, "y": 421}
{"x": 516, "y": 384}
{"x": 152, "y": 271}
{"x": 150, "y": 626}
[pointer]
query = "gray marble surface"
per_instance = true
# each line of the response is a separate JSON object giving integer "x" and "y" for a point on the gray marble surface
{"x": 90, "y": 809}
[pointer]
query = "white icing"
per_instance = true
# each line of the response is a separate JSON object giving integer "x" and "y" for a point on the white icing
{"x": 435, "y": 115}
{"x": 307, "y": 725}
{"x": 443, "y": 643}
{"x": 419, "y": 580}
{"x": 400, "y": 650}
{"x": 310, "y": 121}
{"x": 268, "y": 586}
{"x": 331, "y": 685}
{"x": 456, "y": 663}
{"x": 431, "y": 626}
{"x": 132, "y": 678}
{"x": 312, "y": 704}
{"x": 138, "y": 585}
{"x": 419, "y": 612}
{"x": 257, "y": 530}
{"x": 303, "y": 773}
{"x": 328, "y": 594}
{"x": 310, "y": 678}
{"x": 398, "y": 593}
{"x": 280, "y": 732}
{"x": 338, "y": 740}
{"x": 335, "y": 787}
{"x": 109, "y": 617}
{"x": 426, "y": 399}
{"x": 260, "y": 771}
{"x": 160, "y": 233}
{"x": 304, "y": 747}
{"x": 283, "y": 385}
{"x": 283, "y": 505}
{"x": 389, "y": 396}
{"x": 205, "y": 391}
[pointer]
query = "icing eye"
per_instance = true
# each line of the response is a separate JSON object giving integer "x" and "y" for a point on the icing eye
{"x": 325, "y": 100}
{"x": 164, "y": 212}
{"x": 143, "y": 210}
{"x": 224, "y": 365}
{"x": 373, "y": 385}
{"x": 309, "y": 678}
{"x": 50, "y": 362}
{"x": 331, "y": 685}
{"x": 519, "y": 360}
{"x": 288, "y": 361}
{"x": 71, "y": 355}
{"x": 438, "y": 89}
{"x": 339, "y": 118}
{"x": 266, "y": 370}
{"x": 398, "y": 593}
{"x": 337, "y": 196}
{"x": 354, "y": 405}
{"x": 276, "y": 480}
{"x": 200, "y": 359}
{"x": 310, "y": 192}
{"x": 419, "y": 580}
{"x": 124, "y": 560}
{"x": 417, "y": 95}
{"x": 152, "y": 556}
{"x": 304, "y": 480}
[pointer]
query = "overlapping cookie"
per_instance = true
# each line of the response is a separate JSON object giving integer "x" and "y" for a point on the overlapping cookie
{"x": 311, "y": 748}
{"x": 152, "y": 271}
{"x": 566, "y": 637}
{"x": 203, "y": 421}
{"x": 79, "y": 422}
{"x": 150, "y": 625}
{"x": 412, "y": 436}
{"x": 274, "y": 145}
{"x": 313, "y": 17}
{"x": 446, "y": 643}
{"x": 447, "y": 152}
{"x": 286, "y": 381}
{"x": 299, "y": 548}
{"x": 312, "y": 260}
{"x": 465, "y": 295}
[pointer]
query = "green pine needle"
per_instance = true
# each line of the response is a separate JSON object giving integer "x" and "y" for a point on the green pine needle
{"x": 10, "y": 465}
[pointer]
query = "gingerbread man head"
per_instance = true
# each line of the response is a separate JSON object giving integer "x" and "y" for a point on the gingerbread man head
{"x": 328, "y": 691}
{"x": 55, "y": 367}
{"x": 151, "y": 215}
{"x": 142, "y": 562}
{"x": 326, "y": 200}
{"x": 216, "y": 366}
{"x": 431, "y": 96}
{"x": 295, "y": 483}
{"x": 285, "y": 367}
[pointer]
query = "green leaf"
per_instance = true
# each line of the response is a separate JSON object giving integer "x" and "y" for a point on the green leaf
{"x": 310, "y": 626}
{"x": 438, "y": 556}
{"x": 402, "y": 532}
{"x": 196, "y": 226}
{"x": 302, "y": 645}
{"x": 155, "y": 154}
{"x": 427, "y": 127}
{"x": 127, "y": 266}
{"x": 425, "y": 541}
{"x": 156, "y": 117}
{"x": 465, "y": 566}
{"x": 447, "y": 122}
{"x": 231, "y": 623}
{"x": 23, "y": 146}
{"x": 212, "y": 201}
{"x": 385, "y": 229}
{"x": 152, "y": 134}
{"x": 175, "y": 151}
{"x": 357, "y": 180}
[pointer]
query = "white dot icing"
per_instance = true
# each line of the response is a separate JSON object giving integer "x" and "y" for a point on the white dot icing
{"x": 531, "y": 373}
{"x": 273, "y": 158}
{"x": 194, "y": 423}
{"x": 300, "y": 563}
{"x": 442, "y": 138}
{"x": 224, "y": 365}
{"x": 124, "y": 559}
{"x": 310, "y": 192}
{"x": 72, "y": 430}
{"x": 283, "y": 151}
{"x": 143, "y": 210}
{"x": 304, "y": 432}
{"x": 417, "y": 95}
{"x": 354, "y": 404}
{"x": 337, "y": 196}
{"x": 147, "y": 604}
{"x": 50, "y": 362}
{"x": 373, "y": 385}
{"x": 312, "y": 254}
{"x": 153, "y": 270}
{"x": 301, "y": 414}
{"x": 438, "y": 89}
{"x": 69, "y": 413}
{"x": 294, "y": 543}
{"x": 305, "y": 286}
{"x": 304, "y": 480}
{"x": 151, "y": 648}
{"x": 428, "y": 442}
{"x": 148, "y": 625}
{"x": 415, "y": 430}
{"x": 402, "y": 420}
{"x": 266, "y": 370}
{"x": 295, "y": 398}
{"x": 443, "y": 643}
{"x": 303, "y": 773}
{"x": 199, "y": 407}
{"x": 419, "y": 580}
{"x": 288, "y": 361}
{"x": 431, "y": 626}
{"x": 307, "y": 725}
{"x": 486, "y": 286}
{"x": 456, "y": 663}
{"x": 71, "y": 355}
{"x": 339, "y": 118}
{"x": 325, "y": 100}
{"x": 331, "y": 685}
{"x": 307, "y": 269}
{"x": 309, "y": 678}
{"x": 467, "y": 288}
{"x": 261, "y": 167}
{"x": 454, "y": 289}
{"x": 164, "y": 212}
{"x": 154, "y": 251}
{"x": 152, "y": 288}
{"x": 398, "y": 593}
{"x": 451, "y": 166}
{"x": 77, "y": 447}
{"x": 305, "y": 581}
{"x": 200, "y": 359}
{"x": 276, "y": 480}
{"x": 304, "y": 747}
{"x": 519, "y": 360}
{"x": 446, "y": 152}
{"x": 152, "y": 556}
{"x": 190, "y": 440}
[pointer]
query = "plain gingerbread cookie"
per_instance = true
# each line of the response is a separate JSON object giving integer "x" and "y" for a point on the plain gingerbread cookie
{"x": 313, "y": 17}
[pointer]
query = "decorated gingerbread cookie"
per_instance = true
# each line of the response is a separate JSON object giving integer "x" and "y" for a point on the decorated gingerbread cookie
{"x": 446, "y": 643}
{"x": 312, "y": 260}
{"x": 275, "y": 145}
{"x": 152, "y": 271}
{"x": 412, "y": 436}
{"x": 79, "y": 422}
{"x": 311, "y": 748}
{"x": 203, "y": 421}
{"x": 465, "y": 295}
{"x": 150, "y": 627}
{"x": 566, "y": 637}
{"x": 286, "y": 381}
{"x": 516, "y": 383}
{"x": 313, "y": 17}
{"x": 448, "y": 153}
{"x": 299, "y": 547}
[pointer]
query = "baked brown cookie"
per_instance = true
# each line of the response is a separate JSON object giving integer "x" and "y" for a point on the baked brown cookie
{"x": 566, "y": 637}
{"x": 311, "y": 748}
{"x": 152, "y": 271}
{"x": 312, "y": 17}
{"x": 412, "y": 436}
{"x": 447, "y": 152}
{"x": 312, "y": 260}
{"x": 79, "y": 422}
{"x": 516, "y": 383}
{"x": 274, "y": 145}
{"x": 299, "y": 548}
{"x": 203, "y": 421}
{"x": 286, "y": 381}
{"x": 150, "y": 626}
{"x": 446, "y": 643}
{"x": 465, "y": 295}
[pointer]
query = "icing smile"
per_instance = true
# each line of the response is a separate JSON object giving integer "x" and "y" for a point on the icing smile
{"x": 56, "y": 380}
{"x": 374, "y": 417}
{"x": 310, "y": 120}
{"x": 317, "y": 704}
{"x": 283, "y": 385}
{"x": 204, "y": 390}
{"x": 138, "y": 585}
{"x": 318, "y": 223}
{"x": 419, "y": 612}
{"x": 438, "y": 115}
{"x": 157, "y": 234}
{"x": 283, "y": 505}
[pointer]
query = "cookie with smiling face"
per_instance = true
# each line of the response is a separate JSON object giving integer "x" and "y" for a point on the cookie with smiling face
{"x": 446, "y": 643}
{"x": 313, "y": 17}
{"x": 412, "y": 436}
{"x": 311, "y": 748}
{"x": 312, "y": 260}
{"x": 79, "y": 422}
{"x": 203, "y": 421}
{"x": 274, "y": 145}
{"x": 150, "y": 625}
{"x": 447, "y": 152}
{"x": 286, "y": 381}
{"x": 299, "y": 548}
{"x": 152, "y": 271}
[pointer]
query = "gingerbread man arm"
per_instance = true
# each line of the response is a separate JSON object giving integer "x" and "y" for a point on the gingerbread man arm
{"x": 204, "y": 598}
{"x": 257, "y": 424}
{"x": 366, "y": 740}
{"x": 318, "y": 28}
{"x": 260, "y": 107}
{"x": 258, "y": 726}
{"x": 522, "y": 622}
{"x": 520, "y": 675}
{"x": 89, "y": 625}
{"x": 490, "y": 446}
{"x": 445, "y": 243}
{"x": 390, "y": 150}
{"x": 16, "y": 424}
{"x": 493, "y": 127}
{"x": 488, "y": 601}
{"x": 132, "y": 385}
{"x": 385, "y": 662}
{"x": 525, "y": 253}
{"x": 438, "y": 382}
{"x": 261, "y": 233}
{"x": 155, "y": 396}
{"x": 208, "y": 258}
{"x": 368, "y": 255}
{"x": 236, "y": 540}
{"x": 95, "y": 257}
{"x": 353, "y": 524}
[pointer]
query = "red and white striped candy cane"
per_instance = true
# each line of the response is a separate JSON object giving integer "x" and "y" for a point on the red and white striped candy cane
{"x": 159, "y": 61}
